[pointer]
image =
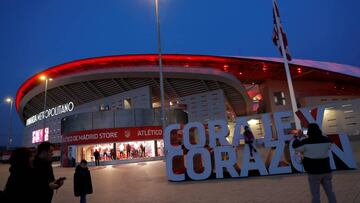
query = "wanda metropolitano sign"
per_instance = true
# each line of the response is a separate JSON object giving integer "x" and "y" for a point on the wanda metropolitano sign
{"x": 218, "y": 131}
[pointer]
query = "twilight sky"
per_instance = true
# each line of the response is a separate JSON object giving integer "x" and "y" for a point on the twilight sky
{"x": 38, "y": 34}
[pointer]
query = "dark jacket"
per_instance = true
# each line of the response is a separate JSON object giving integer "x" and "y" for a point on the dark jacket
{"x": 82, "y": 181}
{"x": 316, "y": 154}
{"x": 248, "y": 136}
{"x": 96, "y": 155}
{"x": 19, "y": 186}
{"x": 43, "y": 176}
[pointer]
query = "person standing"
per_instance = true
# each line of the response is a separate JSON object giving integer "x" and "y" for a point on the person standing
{"x": 316, "y": 162}
{"x": 142, "y": 148}
{"x": 19, "y": 186}
{"x": 45, "y": 182}
{"x": 122, "y": 148}
{"x": 82, "y": 181}
{"x": 105, "y": 155}
{"x": 112, "y": 154}
{"x": 249, "y": 139}
{"x": 97, "y": 157}
{"x": 128, "y": 151}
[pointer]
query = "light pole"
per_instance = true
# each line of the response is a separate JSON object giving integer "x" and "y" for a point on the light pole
{"x": 160, "y": 70}
{"x": 46, "y": 79}
{"x": 10, "y": 101}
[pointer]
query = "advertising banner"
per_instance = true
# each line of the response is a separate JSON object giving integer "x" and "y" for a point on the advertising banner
{"x": 40, "y": 136}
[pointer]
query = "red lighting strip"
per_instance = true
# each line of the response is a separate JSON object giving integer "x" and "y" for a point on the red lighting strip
{"x": 120, "y": 62}
{"x": 239, "y": 67}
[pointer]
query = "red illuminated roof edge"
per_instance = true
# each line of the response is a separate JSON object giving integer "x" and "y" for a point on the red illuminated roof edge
{"x": 132, "y": 60}
{"x": 137, "y": 60}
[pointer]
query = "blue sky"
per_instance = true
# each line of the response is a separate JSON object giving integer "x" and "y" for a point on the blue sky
{"x": 38, "y": 34}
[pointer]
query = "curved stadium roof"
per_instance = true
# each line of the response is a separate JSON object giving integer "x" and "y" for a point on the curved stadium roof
{"x": 94, "y": 78}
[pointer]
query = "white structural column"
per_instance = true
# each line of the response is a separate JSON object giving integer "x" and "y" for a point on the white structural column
{"x": 46, "y": 79}
{"x": 287, "y": 70}
{"x": 9, "y": 141}
{"x": 45, "y": 97}
{"x": 160, "y": 65}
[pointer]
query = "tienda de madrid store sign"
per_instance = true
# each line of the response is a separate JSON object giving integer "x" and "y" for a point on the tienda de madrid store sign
{"x": 113, "y": 135}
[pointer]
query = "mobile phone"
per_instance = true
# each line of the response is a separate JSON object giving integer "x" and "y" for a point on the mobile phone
{"x": 62, "y": 178}
{"x": 57, "y": 181}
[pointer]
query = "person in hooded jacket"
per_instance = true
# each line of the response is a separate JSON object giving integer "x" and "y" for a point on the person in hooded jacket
{"x": 19, "y": 184}
{"x": 82, "y": 181}
{"x": 316, "y": 162}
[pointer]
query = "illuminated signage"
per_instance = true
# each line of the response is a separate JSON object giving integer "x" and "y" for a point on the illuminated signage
{"x": 64, "y": 108}
{"x": 113, "y": 135}
{"x": 149, "y": 132}
{"x": 199, "y": 163}
{"x": 40, "y": 135}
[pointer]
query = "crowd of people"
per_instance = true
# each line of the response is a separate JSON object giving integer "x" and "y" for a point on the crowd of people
{"x": 126, "y": 151}
{"x": 132, "y": 151}
{"x": 32, "y": 178}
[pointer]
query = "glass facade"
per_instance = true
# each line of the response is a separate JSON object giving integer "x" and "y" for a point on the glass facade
{"x": 120, "y": 118}
{"x": 118, "y": 150}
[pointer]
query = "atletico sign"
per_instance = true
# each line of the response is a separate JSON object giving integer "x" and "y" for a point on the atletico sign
{"x": 214, "y": 154}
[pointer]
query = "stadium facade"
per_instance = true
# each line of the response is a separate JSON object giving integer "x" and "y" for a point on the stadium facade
{"x": 112, "y": 104}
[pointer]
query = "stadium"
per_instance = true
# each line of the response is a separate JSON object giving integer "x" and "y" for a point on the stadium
{"x": 112, "y": 104}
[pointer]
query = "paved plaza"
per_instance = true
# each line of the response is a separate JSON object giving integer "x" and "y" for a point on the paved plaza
{"x": 147, "y": 182}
